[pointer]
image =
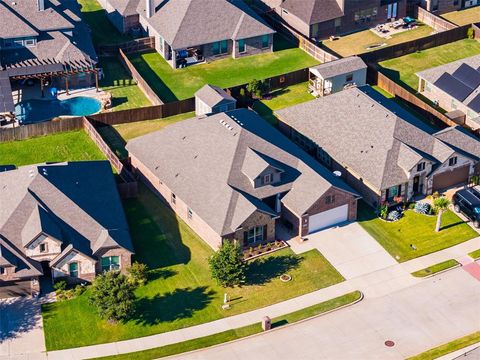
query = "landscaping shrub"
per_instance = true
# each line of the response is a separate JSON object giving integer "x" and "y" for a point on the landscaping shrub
{"x": 227, "y": 265}
{"x": 411, "y": 206}
{"x": 383, "y": 211}
{"x": 470, "y": 33}
{"x": 138, "y": 273}
{"x": 423, "y": 208}
{"x": 60, "y": 285}
{"x": 394, "y": 215}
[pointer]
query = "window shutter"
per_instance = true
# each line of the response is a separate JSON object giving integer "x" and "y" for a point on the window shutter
{"x": 245, "y": 238}
{"x": 265, "y": 233}
{"x": 400, "y": 190}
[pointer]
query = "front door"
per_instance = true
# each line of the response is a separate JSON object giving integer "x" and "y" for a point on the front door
{"x": 416, "y": 183}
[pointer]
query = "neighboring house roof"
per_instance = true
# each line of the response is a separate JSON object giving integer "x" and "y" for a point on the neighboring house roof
{"x": 459, "y": 79}
{"x": 61, "y": 35}
{"x": 209, "y": 162}
{"x": 213, "y": 96}
{"x": 76, "y": 203}
{"x": 368, "y": 134}
{"x": 185, "y": 23}
{"x": 313, "y": 11}
{"x": 338, "y": 67}
{"x": 459, "y": 138}
{"x": 125, "y": 7}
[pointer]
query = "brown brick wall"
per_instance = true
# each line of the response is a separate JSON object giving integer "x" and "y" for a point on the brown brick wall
{"x": 257, "y": 219}
{"x": 253, "y": 46}
{"x": 125, "y": 258}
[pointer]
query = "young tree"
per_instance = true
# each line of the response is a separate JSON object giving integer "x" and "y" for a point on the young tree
{"x": 112, "y": 295}
{"x": 440, "y": 204}
{"x": 227, "y": 266}
{"x": 138, "y": 273}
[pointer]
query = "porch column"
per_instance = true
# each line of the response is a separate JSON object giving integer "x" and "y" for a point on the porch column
{"x": 174, "y": 59}
{"x": 96, "y": 80}
{"x": 42, "y": 87}
{"x": 66, "y": 84}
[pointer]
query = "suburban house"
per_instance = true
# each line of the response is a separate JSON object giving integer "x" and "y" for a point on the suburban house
{"x": 455, "y": 87}
{"x": 335, "y": 76}
{"x": 319, "y": 19}
{"x": 44, "y": 40}
{"x": 62, "y": 220}
{"x": 232, "y": 176}
{"x": 444, "y": 6}
{"x": 380, "y": 149}
{"x": 123, "y": 15}
{"x": 212, "y": 99}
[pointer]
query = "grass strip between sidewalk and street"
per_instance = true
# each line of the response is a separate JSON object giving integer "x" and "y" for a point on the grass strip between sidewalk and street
{"x": 475, "y": 254}
{"x": 448, "y": 348}
{"x": 436, "y": 268}
{"x": 235, "y": 334}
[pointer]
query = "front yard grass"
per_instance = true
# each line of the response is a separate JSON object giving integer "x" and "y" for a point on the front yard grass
{"x": 402, "y": 69}
{"x": 238, "y": 333}
{"x": 180, "y": 292}
{"x": 464, "y": 17}
{"x": 448, "y": 348}
{"x": 177, "y": 84}
{"x": 414, "y": 229}
{"x": 67, "y": 146}
{"x": 282, "y": 98}
{"x": 436, "y": 268}
{"x": 359, "y": 42}
{"x": 125, "y": 91}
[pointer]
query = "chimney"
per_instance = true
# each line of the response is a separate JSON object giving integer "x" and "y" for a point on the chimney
{"x": 41, "y": 5}
{"x": 150, "y": 8}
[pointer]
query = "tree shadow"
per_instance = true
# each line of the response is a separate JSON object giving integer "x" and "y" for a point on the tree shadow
{"x": 365, "y": 212}
{"x": 265, "y": 112}
{"x": 160, "y": 274}
{"x": 18, "y": 316}
{"x": 452, "y": 225}
{"x": 263, "y": 270}
{"x": 114, "y": 140}
{"x": 179, "y": 304}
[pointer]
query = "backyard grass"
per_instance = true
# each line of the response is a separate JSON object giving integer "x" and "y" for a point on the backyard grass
{"x": 358, "y": 43}
{"x": 180, "y": 292}
{"x": 448, "y": 348}
{"x": 436, "y": 268}
{"x": 414, "y": 229}
{"x": 67, "y": 146}
{"x": 177, "y": 84}
{"x": 464, "y": 17}
{"x": 239, "y": 333}
{"x": 103, "y": 32}
{"x": 475, "y": 254}
{"x": 117, "y": 136}
{"x": 126, "y": 94}
{"x": 282, "y": 98}
{"x": 403, "y": 69}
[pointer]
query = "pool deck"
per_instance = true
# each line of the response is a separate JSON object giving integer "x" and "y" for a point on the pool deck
{"x": 34, "y": 93}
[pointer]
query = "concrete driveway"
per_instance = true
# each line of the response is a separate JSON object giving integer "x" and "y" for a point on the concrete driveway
{"x": 21, "y": 328}
{"x": 349, "y": 248}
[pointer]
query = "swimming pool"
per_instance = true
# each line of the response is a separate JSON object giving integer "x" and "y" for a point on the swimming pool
{"x": 33, "y": 111}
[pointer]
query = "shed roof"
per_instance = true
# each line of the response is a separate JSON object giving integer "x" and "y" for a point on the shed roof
{"x": 338, "y": 67}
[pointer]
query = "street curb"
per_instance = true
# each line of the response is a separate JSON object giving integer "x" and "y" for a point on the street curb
{"x": 362, "y": 296}
{"x": 437, "y": 273}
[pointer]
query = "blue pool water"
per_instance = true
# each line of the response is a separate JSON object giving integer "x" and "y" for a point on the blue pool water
{"x": 33, "y": 111}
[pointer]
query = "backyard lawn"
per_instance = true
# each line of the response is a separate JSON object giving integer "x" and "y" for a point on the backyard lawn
{"x": 68, "y": 146}
{"x": 282, "y": 98}
{"x": 171, "y": 85}
{"x": 126, "y": 94}
{"x": 103, "y": 32}
{"x": 403, "y": 69}
{"x": 180, "y": 292}
{"x": 464, "y": 17}
{"x": 359, "y": 42}
{"x": 414, "y": 229}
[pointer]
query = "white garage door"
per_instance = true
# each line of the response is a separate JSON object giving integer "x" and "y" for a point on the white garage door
{"x": 328, "y": 218}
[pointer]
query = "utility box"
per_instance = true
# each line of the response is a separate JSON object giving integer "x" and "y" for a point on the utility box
{"x": 266, "y": 323}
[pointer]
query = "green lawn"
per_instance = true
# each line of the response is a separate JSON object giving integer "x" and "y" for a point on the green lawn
{"x": 464, "y": 17}
{"x": 359, "y": 42}
{"x": 118, "y": 135}
{"x": 176, "y": 84}
{"x": 103, "y": 32}
{"x": 403, "y": 69}
{"x": 126, "y": 94}
{"x": 282, "y": 98}
{"x": 68, "y": 146}
{"x": 475, "y": 254}
{"x": 436, "y": 268}
{"x": 239, "y": 333}
{"x": 445, "y": 349}
{"x": 181, "y": 292}
{"x": 416, "y": 229}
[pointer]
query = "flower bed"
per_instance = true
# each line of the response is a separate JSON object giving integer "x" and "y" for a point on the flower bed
{"x": 253, "y": 252}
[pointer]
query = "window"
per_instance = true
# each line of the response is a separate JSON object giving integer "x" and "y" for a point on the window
{"x": 267, "y": 179}
{"x": 254, "y": 234}
{"x": 216, "y": 48}
{"x": 265, "y": 41}
{"x": 338, "y": 23}
{"x": 452, "y": 161}
{"x": 73, "y": 269}
{"x": 434, "y": 5}
{"x": 366, "y": 15}
{"x": 189, "y": 213}
{"x": 30, "y": 42}
{"x": 110, "y": 263}
{"x": 241, "y": 46}
{"x": 223, "y": 47}
{"x": 43, "y": 248}
{"x": 174, "y": 198}
{"x": 330, "y": 199}
{"x": 421, "y": 166}
{"x": 2, "y": 270}
{"x": 349, "y": 78}
{"x": 314, "y": 32}
{"x": 456, "y": 2}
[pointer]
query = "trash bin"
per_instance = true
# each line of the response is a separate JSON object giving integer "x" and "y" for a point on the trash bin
{"x": 266, "y": 323}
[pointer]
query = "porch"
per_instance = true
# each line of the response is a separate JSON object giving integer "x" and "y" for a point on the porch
{"x": 318, "y": 86}
{"x": 187, "y": 57}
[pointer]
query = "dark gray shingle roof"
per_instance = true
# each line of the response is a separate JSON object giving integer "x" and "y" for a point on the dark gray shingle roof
{"x": 339, "y": 67}
{"x": 313, "y": 11}
{"x": 213, "y": 95}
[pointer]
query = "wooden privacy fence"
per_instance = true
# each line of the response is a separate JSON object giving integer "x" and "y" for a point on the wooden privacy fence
{"x": 40, "y": 129}
{"x": 137, "y": 45}
{"x": 436, "y": 22}
{"x": 142, "y": 84}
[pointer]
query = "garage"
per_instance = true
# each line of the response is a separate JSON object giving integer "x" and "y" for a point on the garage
{"x": 15, "y": 288}
{"x": 327, "y": 218}
{"x": 448, "y": 179}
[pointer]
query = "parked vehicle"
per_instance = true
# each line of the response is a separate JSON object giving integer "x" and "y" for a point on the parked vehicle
{"x": 467, "y": 201}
